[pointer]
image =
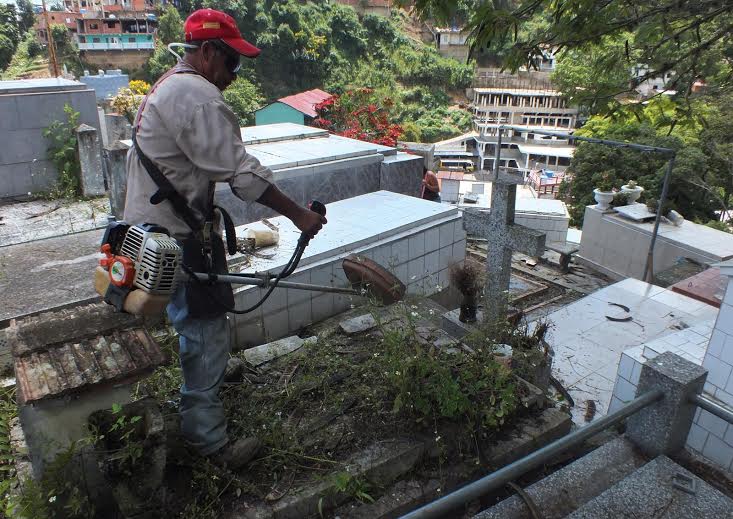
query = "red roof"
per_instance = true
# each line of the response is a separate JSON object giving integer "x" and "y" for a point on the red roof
{"x": 305, "y": 102}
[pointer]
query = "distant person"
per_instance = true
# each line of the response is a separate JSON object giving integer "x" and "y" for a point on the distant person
{"x": 430, "y": 186}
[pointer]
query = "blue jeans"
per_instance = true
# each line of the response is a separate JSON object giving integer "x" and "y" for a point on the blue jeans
{"x": 204, "y": 351}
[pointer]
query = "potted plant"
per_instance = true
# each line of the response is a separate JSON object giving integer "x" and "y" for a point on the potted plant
{"x": 632, "y": 190}
{"x": 468, "y": 278}
{"x": 604, "y": 192}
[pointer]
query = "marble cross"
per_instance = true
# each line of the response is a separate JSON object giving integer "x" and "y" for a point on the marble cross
{"x": 503, "y": 237}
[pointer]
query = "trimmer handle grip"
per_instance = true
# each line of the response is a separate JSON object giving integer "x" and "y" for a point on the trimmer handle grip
{"x": 317, "y": 207}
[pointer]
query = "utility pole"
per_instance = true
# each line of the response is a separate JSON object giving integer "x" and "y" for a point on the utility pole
{"x": 49, "y": 38}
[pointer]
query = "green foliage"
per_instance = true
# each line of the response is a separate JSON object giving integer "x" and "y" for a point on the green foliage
{"x": 425, "y": 66}
{"x": 697, "y": 188}
{"x": 62, "y": 152}
{"x": 58, "y": 494}
{"x": 347, "y": 484}
{"x": 689, "y": 38}
{"x": 26, "y": 16}
{"x": 170, "y": 26}
{"x": 123, "y": 437}
{"x": 25, "y": 59}
{"x": 243, "y": 97}
{"x": 591, "y": 76}
{"x": 327, "y": 45}
{"x": 474, "y": 392}
{"x": 170, "y": 30}
{"x": 67, "y": 53}
{"x": 8, "y": 479}
{"x": 9, "y": 34}
{"x": 720, "y": 226}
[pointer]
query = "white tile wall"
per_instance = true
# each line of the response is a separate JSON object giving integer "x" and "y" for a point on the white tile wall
{"x": 618, "y": 246}
{"x": 703, "y": 344}
{"x": 401, "y": 233}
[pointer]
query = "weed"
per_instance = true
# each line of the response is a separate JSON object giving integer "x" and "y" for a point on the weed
{"x": 59, "y": 493}
{"x": 347, "y": 484}
{"x": 62, "y": 152}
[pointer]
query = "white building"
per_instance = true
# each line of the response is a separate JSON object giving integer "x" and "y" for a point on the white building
{"x": 523, "y": 149}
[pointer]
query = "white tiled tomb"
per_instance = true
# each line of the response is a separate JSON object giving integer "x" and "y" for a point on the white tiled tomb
{"x": 415, "y": 239}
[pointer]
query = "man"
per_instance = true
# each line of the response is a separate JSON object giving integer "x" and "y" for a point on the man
{"x": 430, "y": 186}
{"x": 185, "y": 131}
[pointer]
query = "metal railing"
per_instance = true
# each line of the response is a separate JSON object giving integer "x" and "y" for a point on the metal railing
{"x": 496, "y": 480}
{"x": 718, "y": 410}
{"x": 117, "y": 46}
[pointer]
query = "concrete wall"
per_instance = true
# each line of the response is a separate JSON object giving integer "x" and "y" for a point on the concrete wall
{"x": 278, "y": 112}
{"x": 128, "y": 59}
{"x": 332, "y": 181}
{"x": 618, "y": 247}
{"x": 24, "y": 167}
{"x": 107, "y": 84}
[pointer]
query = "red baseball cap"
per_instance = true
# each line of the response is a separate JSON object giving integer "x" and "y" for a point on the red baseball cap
{"x": 209, "y": 24}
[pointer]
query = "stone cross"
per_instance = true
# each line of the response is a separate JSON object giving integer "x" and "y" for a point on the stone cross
{"x": 504, "y": 236}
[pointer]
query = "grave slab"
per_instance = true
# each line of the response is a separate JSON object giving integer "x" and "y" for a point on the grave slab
{"x": 378, "y": 225}
{"x": 651, "y": 492}
{"x": 708, "y": 286}
{"x": 588, "y": 346}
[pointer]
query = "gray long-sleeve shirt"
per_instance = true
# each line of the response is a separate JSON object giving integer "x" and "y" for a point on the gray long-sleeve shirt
{"x": 193, "y": 137}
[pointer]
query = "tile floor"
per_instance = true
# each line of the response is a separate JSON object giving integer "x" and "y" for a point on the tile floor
{"x": 588, "y": 346}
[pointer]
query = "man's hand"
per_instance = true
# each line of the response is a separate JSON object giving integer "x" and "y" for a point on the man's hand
{"x": 309, "y": 221}
{"x": 304, "y": 219}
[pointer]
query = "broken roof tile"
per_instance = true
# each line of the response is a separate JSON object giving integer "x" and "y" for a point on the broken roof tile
{"x": 80, "y": 366}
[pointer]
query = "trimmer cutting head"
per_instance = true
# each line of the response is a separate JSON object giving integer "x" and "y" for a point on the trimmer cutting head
{"x": 370, "y": 277}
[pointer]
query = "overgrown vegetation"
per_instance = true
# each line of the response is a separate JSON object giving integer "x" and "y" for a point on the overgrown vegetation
{"x": 128, "y": 100}
{"x": 315, "y": 408}
{"x": 28, "y": 58}
{"x": 63, "y": 153}
{"x": 327, "y": 45}
{"x": 702, "y": 179}
{"x": 15, "y": 20}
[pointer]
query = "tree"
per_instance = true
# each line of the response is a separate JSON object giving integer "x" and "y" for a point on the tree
{"x": 67, "y": 52}
{"x": 592, "y": 75}
{"x": 9, "y": 34}
{"x": 359, "y": 114}
{"x": 687, "y": 37}
{"x": 696, "y": 188}
{"x": 170, "y": 30}
{"x": 716, "y": 141}
{"x": 243, "y": 97}
{"x": 25, "y": 14}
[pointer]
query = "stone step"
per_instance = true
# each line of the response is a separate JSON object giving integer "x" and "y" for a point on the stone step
{"x": 662, "y": 489}
{"x": 569, "y": 488}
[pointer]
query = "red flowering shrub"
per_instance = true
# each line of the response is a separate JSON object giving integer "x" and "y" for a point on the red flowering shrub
{"x": 359, "y": 114}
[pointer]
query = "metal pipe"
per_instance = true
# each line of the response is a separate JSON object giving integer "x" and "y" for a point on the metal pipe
{"x": 607, "y": 142}
{"x": 443, "y": 506}
{"x": 649, "y": 266}
{"x": 497, "y": 155}
{"x": 713, "y": 407}
{"x": 257, "y": 281}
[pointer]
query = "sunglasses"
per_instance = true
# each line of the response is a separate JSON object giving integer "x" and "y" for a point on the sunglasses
{"x": 231, "y": 61}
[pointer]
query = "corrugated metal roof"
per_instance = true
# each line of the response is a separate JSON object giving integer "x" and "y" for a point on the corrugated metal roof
{"x": 305, "y": 102}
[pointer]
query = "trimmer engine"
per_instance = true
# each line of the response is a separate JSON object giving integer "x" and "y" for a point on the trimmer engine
{"x": 140, "y": 269}
{"x": 156, "y": 256}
